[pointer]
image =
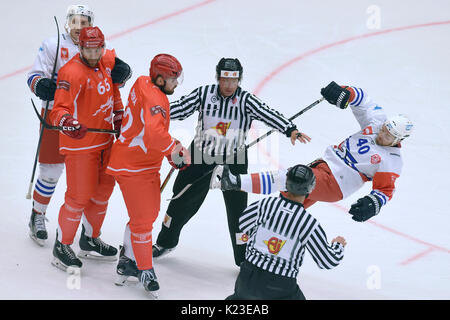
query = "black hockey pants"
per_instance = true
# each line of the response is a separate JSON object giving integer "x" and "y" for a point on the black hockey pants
{"x": 181, "y": 210}
{"x": 254, "y": 283}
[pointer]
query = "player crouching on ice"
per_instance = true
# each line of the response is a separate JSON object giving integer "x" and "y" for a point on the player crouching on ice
{"x": 371, "y": 154}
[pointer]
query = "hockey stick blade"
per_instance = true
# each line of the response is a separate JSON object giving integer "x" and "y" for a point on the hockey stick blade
{"x": 65, "y": 128}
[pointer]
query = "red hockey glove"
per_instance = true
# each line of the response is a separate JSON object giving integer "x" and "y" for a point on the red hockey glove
{"x": 71, "y": 127}
{"x": 117, "y": 121}
{"x": 180, "y": 158}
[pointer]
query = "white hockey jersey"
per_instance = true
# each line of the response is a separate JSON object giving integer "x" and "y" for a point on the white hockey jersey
{"x": 43, "y": 64}
{"x": 353, "y": 162}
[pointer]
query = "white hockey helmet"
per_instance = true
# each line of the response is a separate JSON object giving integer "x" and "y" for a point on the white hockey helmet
{"x": 79, "y": 9}
{"x": 399, "y": 126}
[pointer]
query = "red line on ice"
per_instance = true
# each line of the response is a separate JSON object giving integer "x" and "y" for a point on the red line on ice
{"x": 275, "y": 72}
{"x": 127, "y": 31}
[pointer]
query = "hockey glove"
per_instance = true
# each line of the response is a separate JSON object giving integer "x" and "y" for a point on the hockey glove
{"x": 71, "y": 127}
{"x": 180, "y": 158}
{"x": 336, "y": 95}
{"x": 121, "y": 72}
{"x": 223, "y": 179}
{"x": 365, "y": 208}
{"x": 45, "y": 89}
{"x": 117, "y": 121}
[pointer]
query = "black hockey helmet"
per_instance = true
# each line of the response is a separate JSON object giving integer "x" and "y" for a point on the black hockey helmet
{"x": 229, "y": 64}
{"x": 300, "y": 180}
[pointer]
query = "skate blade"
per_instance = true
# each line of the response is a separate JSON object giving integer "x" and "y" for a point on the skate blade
{"x": 122, "y": 280}
{"x": 70, "y": 269}
{"x": 95, "y": 256}
{"x": 40, "y": 242}
{"x": 154, "y": 295}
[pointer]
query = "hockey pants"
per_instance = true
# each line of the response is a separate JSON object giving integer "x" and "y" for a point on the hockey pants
{"x": 181, "y": 210}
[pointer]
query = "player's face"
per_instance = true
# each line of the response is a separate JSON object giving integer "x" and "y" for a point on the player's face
{"x": 228, "y": 86}
{"x": 384, "y": 138}
{"x": 76, "y": 23}
{"x": 170, "y": 85}
{"x": 91, "y": 55}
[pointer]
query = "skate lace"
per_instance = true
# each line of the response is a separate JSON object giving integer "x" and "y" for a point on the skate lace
{"x": 100, "y": 243}
{"x": 68, "y": 251}
{"x": 147, "y": 276}
{"x": 39, "y": 222}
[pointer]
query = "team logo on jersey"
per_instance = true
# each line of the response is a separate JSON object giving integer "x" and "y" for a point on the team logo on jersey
{"x": 241, "y": 238}
{"x": 274, "y": 245}
{"x": 375, "y": 159}
{"x": 108, "y": 71}
{"x": 222, "y": 128}
{"x": 64, "y": 53}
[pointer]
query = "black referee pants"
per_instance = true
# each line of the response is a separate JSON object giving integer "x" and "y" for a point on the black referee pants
{"x": 181, "y": 210}
{"x": 254, "y": 283}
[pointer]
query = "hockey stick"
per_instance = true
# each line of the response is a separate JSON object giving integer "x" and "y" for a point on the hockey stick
{"x": 172, "y": 170}
{"x": 60, "y": 128}
{"x": 246, "y": 147}
{"x": 28, "y": 195}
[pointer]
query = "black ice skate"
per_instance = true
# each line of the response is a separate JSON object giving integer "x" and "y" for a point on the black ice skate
{"x": 95, "y": 248}
{"x": 64, "y": 257}
{"x": 125, "y": 268}
{"x": 158, "y": 251}
{"x": 38, "y": 232}
{"x": 149, "y": 281}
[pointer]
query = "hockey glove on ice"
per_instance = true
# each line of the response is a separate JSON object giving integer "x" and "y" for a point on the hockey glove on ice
{"x": 45, "y": 89}
{"x": 336, "y": 95}
{"x": 180, "y": 158}
{"x": 117, "y": 121}
{"x": 365, "y": 208}
{"x": 121, "y": 72}
{"x": 71, "y": 127}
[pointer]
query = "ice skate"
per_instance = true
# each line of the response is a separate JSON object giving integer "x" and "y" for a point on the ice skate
{"x": 158, "y": 251}
{"x": 64, "y": 257}
{"x": 223, "y": 179}
{"x": 149, "y": 281}
{"x": 126, "y": 268}
{"x": 95, "y": 248}
{"x": 38, "y": 232}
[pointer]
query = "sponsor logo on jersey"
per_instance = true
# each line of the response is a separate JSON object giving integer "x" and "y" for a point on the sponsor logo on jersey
{"x": 274, "y": 245}
{"x": 63, "y": 84}
{"x": 375, "y": 159}
{"x": 158, "y": 109}
{"x": 64, "y": 53}
{"x": 241, "y": 238}
{"x": 222, "y": 128}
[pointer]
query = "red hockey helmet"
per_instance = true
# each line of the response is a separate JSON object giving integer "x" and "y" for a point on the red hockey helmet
{"x": 91, "y": 37}
{"x": 166, "y": 66}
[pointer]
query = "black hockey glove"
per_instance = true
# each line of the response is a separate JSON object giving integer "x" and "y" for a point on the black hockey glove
{"x": 121, "y": 72}
{"x": 45, "y": 89}
{"x": 336, "y": 95}
{"x": 365, "y": 208}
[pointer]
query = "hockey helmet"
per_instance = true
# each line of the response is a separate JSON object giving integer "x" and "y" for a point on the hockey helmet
{"x": 91, "y": 37}
{"x": 229, "y": 68}
{"x": 399, "y": 126}
{"x": 78, "y": 9}
{"x": 300, "y": 180}
{"x": 166, "y": 66}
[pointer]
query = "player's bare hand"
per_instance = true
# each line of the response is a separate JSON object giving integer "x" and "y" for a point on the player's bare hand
{"x": 340, "y": 240}
{"x": 300, "y": 136}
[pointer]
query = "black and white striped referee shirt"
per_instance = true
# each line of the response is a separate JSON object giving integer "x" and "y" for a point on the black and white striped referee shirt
{"x": 223, "y": 123}
{"x": 279, "y": 230}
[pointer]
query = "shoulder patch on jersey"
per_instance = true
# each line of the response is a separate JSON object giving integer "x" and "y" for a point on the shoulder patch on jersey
{"x": 158, "y": 109}
{"x": 63, "y": 84}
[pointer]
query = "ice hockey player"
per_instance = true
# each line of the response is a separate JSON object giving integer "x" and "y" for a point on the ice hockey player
{"x": 85, "y": 97}
{"x": 371, "y": 154}
{"x": 51, "y": 162}
{"x": 226, "y": 113}
{"x": 135, "y": 162}
{"x": 279, "y": 230}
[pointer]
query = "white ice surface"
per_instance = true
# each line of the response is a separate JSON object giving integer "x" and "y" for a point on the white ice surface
{"x": 406, "y": 71}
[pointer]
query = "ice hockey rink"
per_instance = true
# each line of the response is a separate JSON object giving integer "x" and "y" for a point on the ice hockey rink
{"x": 397, "y": 51}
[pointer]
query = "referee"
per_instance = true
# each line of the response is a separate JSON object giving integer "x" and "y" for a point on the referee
{"x": 225, "y": 114}
{"x": 279, "y": 230}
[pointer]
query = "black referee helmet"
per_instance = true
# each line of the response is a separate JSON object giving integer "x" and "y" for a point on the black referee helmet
{"x": 229, "y": 64}
{"x": 300, "y": 180}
